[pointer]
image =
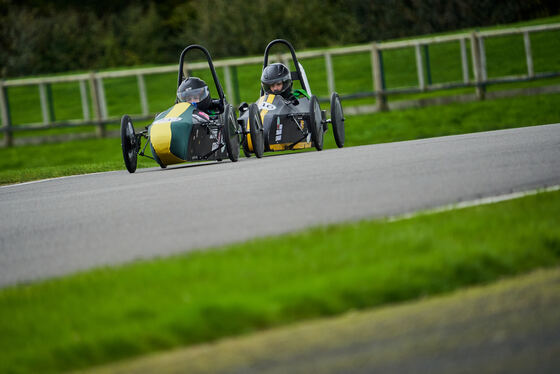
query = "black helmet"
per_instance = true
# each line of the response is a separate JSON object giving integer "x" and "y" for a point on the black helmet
{"x": 195, "y": 91}
{"x": 276, "y": 73}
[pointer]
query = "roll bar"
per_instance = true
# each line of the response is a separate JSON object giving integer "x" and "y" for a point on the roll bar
{"x": 295, "y": 75}
{"x": 210, "y": 64}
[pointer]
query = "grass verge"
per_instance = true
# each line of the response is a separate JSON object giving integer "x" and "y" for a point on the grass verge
{"x": 25, "y": 163}
{"x": 112, "y": 313}
{"x": 436, "y": 331}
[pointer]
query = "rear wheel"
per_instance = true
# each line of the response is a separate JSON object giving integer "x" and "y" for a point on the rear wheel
{"x": 315, "y": 123}
{"x": 337, "y": 120}
{"x": 129, "y": 143}
{"x": 256, "y": 130}
{"x": 231, "y": 135}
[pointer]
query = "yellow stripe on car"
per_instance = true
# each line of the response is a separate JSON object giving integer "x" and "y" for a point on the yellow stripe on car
{"x": 177, "y": 110}
{"x": 269, "y": 100}
{"x": 284, "y": 146}
{"x": 160, "y": 135}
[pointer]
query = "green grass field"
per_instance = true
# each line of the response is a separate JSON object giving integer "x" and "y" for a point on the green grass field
{"x": 112, "y": 313}
{"x": 24, "y": 163}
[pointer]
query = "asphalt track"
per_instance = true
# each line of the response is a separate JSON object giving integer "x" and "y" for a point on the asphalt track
{"x": 55, "y": 227}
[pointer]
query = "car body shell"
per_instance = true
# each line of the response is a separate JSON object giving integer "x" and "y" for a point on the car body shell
{"x": 286, "y": 124}
{"x": 178, "y": 135}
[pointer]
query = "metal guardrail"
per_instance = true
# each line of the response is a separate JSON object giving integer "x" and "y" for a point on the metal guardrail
{"x": 94, "y": 80}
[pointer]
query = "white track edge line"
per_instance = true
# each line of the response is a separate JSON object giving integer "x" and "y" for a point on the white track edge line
{"x": 57, "y": 178}
{"x": 472, "y": 203}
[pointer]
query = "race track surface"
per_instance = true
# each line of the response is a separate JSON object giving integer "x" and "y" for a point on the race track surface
{"x": 59, "y": 226}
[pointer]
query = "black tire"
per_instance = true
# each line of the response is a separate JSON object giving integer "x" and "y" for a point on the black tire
{"x": 231, "y": 134}
{"x": 337, "y": 120}
{"x": 315, "y": 123}
{"x": 129, "y": 143}
{"x": 256, "y": 130}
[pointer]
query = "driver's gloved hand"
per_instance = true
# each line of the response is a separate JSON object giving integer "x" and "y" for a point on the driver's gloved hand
{"x": 292, "y": 99}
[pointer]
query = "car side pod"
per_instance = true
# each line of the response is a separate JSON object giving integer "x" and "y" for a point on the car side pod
{"x": 337, "y": 120}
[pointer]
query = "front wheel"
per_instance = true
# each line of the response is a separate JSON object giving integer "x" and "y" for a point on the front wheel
{"x": 256, "y": 131}
{"x": 129, "y": 143}
{"x": 337, "y": 120}
{"x": 316, "y": 123}
{"x": 231, "y": 134}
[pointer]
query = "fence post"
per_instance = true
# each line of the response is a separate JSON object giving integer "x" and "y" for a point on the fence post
{"x": 477, "y": 66}
{"x": 229, "y": 85}
{"x": 528, "y": 55}
{"x": 237, "y": 98}
{"x": 464, "y": 60}
{"x": 102, "y": 98}
{"x": 483, "y": 59}
{"x": 419, "y": 67}
{"x": 143, "y": 95}
{"x": 85, "y": 101}
{"x": 44, "y": 106}
{"x": 378, "y": 84}
{"x": 47, "y": 105}
{"x": 5, "y": 112}
{"x": 100, "y": 129}
{"x": 330, "y": 73}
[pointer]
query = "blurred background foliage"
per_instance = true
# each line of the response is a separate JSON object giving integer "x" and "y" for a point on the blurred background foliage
{"x": 40, "y": 36}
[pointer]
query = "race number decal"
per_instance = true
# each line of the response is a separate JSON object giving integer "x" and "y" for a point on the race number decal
{"x": 266, "y": 106}
{"x": 165, "y": 120}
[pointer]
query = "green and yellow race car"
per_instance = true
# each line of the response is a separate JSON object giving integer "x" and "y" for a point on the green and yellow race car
{"x": 195, "y": 128}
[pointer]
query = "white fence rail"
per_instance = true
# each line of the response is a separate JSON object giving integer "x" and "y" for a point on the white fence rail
{"x": 94, "y": 80}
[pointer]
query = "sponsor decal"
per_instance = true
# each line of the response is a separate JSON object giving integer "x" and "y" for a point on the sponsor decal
{"x": 266, "y": 106}
{"x": 198, "y": 118}
{"x": 215, "y": 136}
{"x": 278, "y": 130}
{"x": 165, "y": 120}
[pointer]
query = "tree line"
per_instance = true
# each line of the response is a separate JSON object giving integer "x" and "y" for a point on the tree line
{"x": 40, "y": 36}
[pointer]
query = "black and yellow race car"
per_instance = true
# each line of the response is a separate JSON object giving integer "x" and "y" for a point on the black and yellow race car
{"x": 285, "y": 118}
{"x": 196, "y": 127}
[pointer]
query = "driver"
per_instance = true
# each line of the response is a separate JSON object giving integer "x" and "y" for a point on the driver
{"x": 195, "y": 91}
{"x": 276, "y": 79}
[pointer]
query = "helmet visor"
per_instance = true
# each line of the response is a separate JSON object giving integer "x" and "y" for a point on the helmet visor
{"x": 193, "y": 95}
{"x": 277, "y": 87}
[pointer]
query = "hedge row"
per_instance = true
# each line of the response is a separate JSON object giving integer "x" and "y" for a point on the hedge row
{"x": 39, "y": 37}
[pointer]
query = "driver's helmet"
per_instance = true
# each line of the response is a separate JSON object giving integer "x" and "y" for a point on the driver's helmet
{"x": 195, "y": 91}
{"x": 276, "y": 73}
